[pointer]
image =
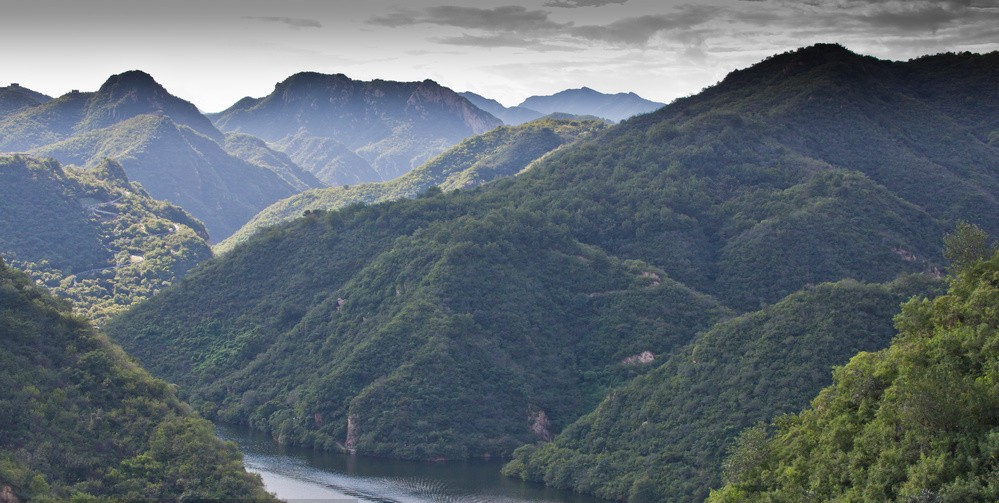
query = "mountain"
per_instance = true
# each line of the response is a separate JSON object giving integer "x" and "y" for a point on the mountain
{"x": 85, "y": 423}
{"x": 512, "y": 116}
{"x": 393, "y": 127}
{"x": 91, "y": 236}
{"x": 504, "y": 151}
{"x": 14, "y": 98}
{"x": 913, "y": 422}
{"x": 586, "y": 101}
{"x": 256, "y": 151}
{"x": 163, "y": 142}
{"x": 443, "y": 326}
{"x": 666, "y": 431}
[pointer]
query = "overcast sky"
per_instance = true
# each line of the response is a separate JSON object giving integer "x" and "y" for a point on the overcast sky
{"x": 214, "y": 52}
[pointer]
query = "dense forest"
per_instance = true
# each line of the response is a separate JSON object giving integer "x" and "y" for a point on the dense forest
{"x": 83, "y": 422}
{"x": 913, "y": 422}
{"x": 502, "y": 152}
{"x": 466, "y": 323}
{"x": 662, "y": 436}
{"x": 92, "y": 236}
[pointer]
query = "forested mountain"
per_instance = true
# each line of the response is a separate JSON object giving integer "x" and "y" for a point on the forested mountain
{"x": 662, "y": 436}
{"x": 586, "y": 101}
{"x": 92, "y": 236}
{"x": 326, "y": 123}
{"x": 504, "y": 151}
{"x": 83, "y": 422}
{"x": 914, "y": 422}
{"x": 163, "y": 142}
{"x": 459, "y": 324}
{"x": 14, "y": 98}
{"x": 511, "y": 116}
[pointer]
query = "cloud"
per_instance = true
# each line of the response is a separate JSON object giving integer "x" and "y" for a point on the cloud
{"x": 572, "y": 4}
{"x": 504, "y": 40}
{"x": 290, "y": 21}
{"x": 641, "y": 29}
{"x": 510, "y": 18}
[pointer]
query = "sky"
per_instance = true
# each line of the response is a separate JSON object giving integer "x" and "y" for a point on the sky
{"x": 214, "y": 52}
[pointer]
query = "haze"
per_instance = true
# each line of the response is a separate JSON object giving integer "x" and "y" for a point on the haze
{"x": 216, "y": 52}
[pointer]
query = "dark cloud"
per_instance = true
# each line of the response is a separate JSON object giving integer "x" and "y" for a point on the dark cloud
{"x": 507, "y": 18}
{"x": 572, "y": 4}
{"x": 290, "y": 21}
{"x": 503, "y": 40}
{"x": 640, "y": 30}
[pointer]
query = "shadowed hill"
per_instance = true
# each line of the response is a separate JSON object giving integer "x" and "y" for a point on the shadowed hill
{"x": 84, "y": 422}
{"x": 392, "y": 126}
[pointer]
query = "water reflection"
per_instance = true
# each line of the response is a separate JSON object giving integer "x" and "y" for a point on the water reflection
{"x": 304, "y": 475}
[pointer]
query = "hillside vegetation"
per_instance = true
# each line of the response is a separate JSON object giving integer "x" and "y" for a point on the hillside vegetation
{"x": 913, "y": 422}
{"x": 91, "y": 236}
{"x": 661, "y": 437}
{"x": 84, "y": 423}
{"x": 162, "y": 142}
{"x": 461, "y": 323}
{"x": 502, "y": 152}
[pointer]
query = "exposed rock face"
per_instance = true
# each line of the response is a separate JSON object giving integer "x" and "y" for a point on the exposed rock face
{"x": 639, "y": 359}
{"x": 352, "y": 434}
{"x": 540, "y": 425}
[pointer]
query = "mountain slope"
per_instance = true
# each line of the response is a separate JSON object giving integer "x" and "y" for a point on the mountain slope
{"x": 504, "y": 151}
{"x": 586, "y": 101}
{"x": 512, "y": 116}
{"x": 89, "y": 423}
{"x": 666, "y": 430}
{"x": 180, "y": 165}
{"x": 91, "y": 236}
{"x": 392, "y": 126}
{"x": 913, "y": 422}
{"x": 14, "y": 98}
{"x": 711, "y": 198}
{"x": 162, "y": 141}
{"x": 254, "y": 150}
{"x": 407, "y": 314}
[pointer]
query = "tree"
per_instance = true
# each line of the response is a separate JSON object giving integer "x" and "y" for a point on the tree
{"x": 967, "y": 245}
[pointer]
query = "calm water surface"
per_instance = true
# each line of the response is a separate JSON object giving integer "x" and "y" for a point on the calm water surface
{"x": 297, "y": 474}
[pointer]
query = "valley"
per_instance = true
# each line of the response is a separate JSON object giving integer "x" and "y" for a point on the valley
{"x": 585, "y": 297}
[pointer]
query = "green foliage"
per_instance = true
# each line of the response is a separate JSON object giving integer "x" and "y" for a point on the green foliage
{"x": 669, "y": 427}
{"x": 84, "y": 423}
{"x": 502, "y": 152}
{"x": 966, "y": 245}
{"x": 462, "y": 323}
{"x": 913, "y": 422}
{"x": 91, "y": 237}
{"x": 433, "y": 334}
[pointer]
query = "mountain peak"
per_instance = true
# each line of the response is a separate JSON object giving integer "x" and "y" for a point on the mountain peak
{"x": 132, "y": 79}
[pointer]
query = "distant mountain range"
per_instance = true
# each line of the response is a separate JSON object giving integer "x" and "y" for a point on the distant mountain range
{"x": 586, "y": 101}
{"x": 162, "y": 141}
{"x": 501, "y": 152}
{"x": 512, "y": 116}
{"x": 346, "y": 131}
{"x": 583, "y": 102}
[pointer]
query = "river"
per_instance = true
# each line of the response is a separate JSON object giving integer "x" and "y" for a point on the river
{"x": 303, "y": 475}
